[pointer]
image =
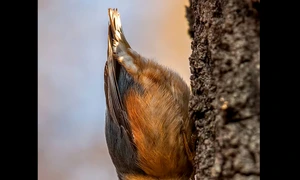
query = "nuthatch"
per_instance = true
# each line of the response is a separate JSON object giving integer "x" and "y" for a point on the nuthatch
{"x": 147, "y": 128}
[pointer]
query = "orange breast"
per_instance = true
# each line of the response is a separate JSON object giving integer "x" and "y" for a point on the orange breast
{"x": 155, "y": 123}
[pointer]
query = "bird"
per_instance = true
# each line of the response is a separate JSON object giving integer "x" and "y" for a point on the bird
{"x": 147, "y": 128}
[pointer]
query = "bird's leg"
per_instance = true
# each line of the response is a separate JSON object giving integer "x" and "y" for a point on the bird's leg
{"x": 186, "y": 145}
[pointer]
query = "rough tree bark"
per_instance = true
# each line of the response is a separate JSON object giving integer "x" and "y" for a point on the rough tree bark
{"x": 225, "y": 80}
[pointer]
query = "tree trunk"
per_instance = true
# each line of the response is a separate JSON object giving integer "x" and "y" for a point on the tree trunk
{"x": 225, "y": 81}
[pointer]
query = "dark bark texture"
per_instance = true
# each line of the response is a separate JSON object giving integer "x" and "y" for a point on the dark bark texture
{"x": 225, "y": 80}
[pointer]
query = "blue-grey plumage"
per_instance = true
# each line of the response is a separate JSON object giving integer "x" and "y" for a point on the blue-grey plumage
{"x": 148, "y": 132}
{"x": 117, "y": 129}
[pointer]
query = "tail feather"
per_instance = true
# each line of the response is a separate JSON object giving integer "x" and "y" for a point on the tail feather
{"x": 118, "y": 46}
{"x": 115, "y": 32}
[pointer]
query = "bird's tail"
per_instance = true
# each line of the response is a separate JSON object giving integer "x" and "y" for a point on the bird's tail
{"x": 117, "y": 42}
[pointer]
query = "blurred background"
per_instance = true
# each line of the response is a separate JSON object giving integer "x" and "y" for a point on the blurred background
{"x": 72, "y": 37}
